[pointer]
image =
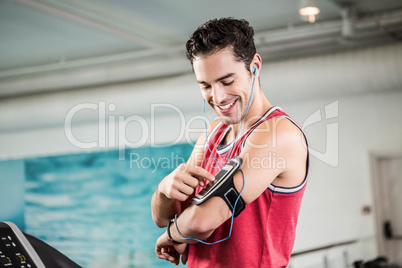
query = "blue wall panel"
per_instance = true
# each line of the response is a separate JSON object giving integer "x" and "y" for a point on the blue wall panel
{"x": 95, "y": 208}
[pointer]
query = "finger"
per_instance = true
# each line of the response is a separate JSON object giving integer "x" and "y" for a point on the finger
{"x": 199, "y": 173}
{"x": 173, "y": 191}
{"x": 178, "y": 195}
{"x": 158, "y": 250}
{"x": 189, "y": 180}
{"x": 172, "y": 255}
{"x": 165, "y": 251}
{"x": 184, "y": 256}
{"x": 159, "y": 253}
{"x": 166, "y": 255}
{"x": 181, "y": 175}
{"x": 176, "y": 258}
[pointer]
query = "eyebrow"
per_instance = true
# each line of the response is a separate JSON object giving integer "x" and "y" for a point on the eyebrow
{"x": 217, "y": 80}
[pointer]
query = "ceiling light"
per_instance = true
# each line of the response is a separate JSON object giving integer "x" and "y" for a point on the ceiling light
{"x": 308, "y": 10}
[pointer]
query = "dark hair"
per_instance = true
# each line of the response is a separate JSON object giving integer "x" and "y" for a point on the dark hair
{"x": 218, "y": 34}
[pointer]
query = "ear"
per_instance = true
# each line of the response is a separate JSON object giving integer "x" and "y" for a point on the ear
{"x": 256, "y": 64}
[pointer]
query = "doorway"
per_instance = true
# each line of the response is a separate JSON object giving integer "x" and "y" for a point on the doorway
{"x": 387, "y": 182}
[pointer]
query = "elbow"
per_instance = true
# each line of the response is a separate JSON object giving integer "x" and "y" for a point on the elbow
{"x": 160, "y": 223}
{"x": 158, "y": 220}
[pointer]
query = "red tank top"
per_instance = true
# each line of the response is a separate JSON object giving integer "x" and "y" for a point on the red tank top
{"x": 263, "y": 234}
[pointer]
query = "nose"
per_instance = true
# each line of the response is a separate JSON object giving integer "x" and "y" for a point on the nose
{"x": 218, "y": 95}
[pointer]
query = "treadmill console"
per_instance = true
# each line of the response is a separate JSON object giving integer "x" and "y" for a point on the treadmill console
{"x": 15, "y": 250}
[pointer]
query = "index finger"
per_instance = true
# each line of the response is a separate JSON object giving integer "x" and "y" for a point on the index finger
{"x": 199, "y": 172}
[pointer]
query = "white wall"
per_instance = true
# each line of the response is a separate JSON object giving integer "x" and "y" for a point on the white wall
{"x": 339, "y": 182}
{"x": 332, "y": 207}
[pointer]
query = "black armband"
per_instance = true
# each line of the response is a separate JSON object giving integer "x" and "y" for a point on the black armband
{"x": 223, "y": 186}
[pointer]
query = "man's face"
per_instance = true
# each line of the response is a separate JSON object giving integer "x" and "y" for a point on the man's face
{"x": 225, "y": 84}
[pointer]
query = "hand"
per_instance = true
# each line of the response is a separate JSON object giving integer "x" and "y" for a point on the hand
{"x": 166, "y": 250}
{"x": 180, "y": 184}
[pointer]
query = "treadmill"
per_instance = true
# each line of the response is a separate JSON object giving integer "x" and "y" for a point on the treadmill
{"x": 21, "y": 250}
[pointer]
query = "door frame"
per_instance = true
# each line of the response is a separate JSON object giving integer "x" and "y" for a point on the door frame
{"x": 380, "y": 210}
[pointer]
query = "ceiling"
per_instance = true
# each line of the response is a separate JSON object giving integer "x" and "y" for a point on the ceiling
{"x": 42, "y": 37}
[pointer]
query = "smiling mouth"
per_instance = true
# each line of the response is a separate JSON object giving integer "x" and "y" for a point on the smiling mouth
{"x": 227, "y": 106}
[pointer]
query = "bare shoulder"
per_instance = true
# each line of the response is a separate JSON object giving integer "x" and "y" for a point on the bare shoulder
{"x": 277, "y": 132}
{"x": 283, "y": 146}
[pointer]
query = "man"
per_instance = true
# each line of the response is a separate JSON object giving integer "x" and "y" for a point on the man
{"x": 275, "y": 163}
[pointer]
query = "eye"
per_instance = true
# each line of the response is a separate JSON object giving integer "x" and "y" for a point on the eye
{"x": 228, "y": 84}
{"x": 206, "y": 87}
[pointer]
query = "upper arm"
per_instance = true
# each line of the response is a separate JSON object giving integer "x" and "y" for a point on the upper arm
{"x": 274, "y": 151}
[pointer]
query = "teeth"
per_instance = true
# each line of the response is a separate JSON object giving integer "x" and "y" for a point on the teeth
{"x": 226, "y": 106}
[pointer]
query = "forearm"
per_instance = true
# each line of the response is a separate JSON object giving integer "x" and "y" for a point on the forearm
{"x": 189, "y": 227}
{"x": 199, "y": 221}
{"x": 163, "y": 209}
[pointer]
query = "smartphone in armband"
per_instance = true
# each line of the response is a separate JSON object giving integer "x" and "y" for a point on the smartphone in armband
{"x": 223, "y": 187}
